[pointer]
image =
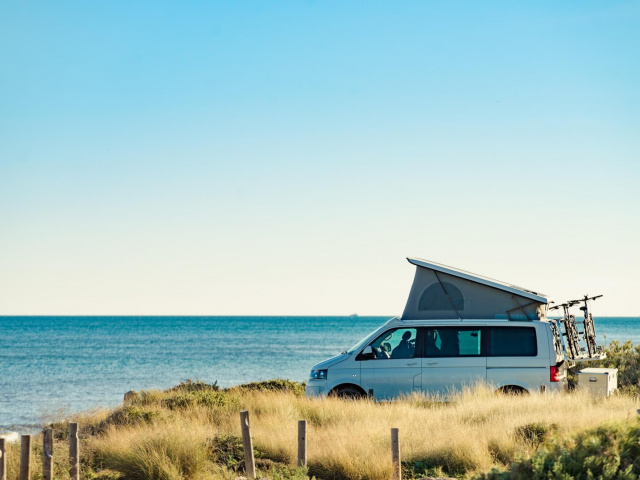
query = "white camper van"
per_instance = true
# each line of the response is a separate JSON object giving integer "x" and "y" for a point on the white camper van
{"x": 457, "y": 329}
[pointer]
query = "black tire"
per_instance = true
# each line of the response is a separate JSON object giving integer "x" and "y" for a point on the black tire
{"x": 348, "y": 392}
{"x": 511, "y": 390}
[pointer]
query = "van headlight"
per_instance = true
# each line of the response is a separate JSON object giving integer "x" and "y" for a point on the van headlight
{"x": 318, "y": 375}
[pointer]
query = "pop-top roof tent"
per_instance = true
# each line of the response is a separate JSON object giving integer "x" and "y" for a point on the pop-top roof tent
{"x": 442, "y": 292}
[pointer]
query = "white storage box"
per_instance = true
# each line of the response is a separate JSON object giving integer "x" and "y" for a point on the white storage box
{"x": 599, "y": 382}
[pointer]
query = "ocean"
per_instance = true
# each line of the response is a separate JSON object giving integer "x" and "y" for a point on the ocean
{"x": 52, "y": 366}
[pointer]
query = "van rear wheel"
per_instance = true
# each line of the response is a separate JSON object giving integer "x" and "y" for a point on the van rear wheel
{"x": 348, "y": 393}
{"x": 511, "y": 390}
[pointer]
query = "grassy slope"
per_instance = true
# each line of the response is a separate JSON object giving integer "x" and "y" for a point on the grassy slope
{"x": 192, "y": 432}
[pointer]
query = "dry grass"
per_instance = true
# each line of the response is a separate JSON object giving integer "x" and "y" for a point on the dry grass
{"x": 176, "y": 435}
{"x": 474, "y": 432}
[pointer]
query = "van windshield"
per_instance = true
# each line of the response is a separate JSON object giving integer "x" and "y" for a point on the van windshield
{"x": 365, "y": 340}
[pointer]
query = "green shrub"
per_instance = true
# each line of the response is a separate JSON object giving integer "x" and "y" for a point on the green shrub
{"x": 609, "y": 452}
{"x": 277, "y": 471}
{"x": 136, "y": 414}
{"x": 60, "y": 429}
{"x": 203, "y": 398}
{"x": 534, "y": 433}
{"x": 129, "y": 415}
{"x": 278, "y": 385}
{"x": 227, "y": 450}
{"x": 189, "y": 386}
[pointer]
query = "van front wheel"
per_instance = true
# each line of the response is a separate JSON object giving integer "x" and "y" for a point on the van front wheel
{"x": 348, "y": 393}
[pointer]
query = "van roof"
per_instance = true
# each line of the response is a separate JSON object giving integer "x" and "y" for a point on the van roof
{"x": 485, "y": 322}
{"x": 490, "y": 282}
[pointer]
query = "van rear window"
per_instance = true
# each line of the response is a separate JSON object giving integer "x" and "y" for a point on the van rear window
{"x": 512, "y": 342}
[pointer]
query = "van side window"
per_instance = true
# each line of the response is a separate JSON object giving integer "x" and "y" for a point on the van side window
{"x": 453, "y": 342}
{"x": 513, "y": 342}
{"x": 399, "y": 343}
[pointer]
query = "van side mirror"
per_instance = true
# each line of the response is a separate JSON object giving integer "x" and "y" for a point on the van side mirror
{"x": 366, "y": 353}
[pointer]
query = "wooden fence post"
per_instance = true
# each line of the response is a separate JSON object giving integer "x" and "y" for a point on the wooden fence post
{"x": 74, "y": 452}
{"x": 25, "y": 457}
{"x": 47, "y": 455}
{"x": 3, "y": 460}
{"x": 302, "y": 443}
{"x": 249, "y": 463}
{"x": 395, "y": 455}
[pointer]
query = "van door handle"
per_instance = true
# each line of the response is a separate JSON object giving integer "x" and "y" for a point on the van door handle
{"x": 412, "y": 363}
{"x": 432, "y": 363}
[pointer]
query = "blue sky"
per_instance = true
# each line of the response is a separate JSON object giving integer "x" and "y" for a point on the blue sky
{"x": 285, "y": 157}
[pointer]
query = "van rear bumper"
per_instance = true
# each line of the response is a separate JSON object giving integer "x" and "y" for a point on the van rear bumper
{"x": 561, "y": 386}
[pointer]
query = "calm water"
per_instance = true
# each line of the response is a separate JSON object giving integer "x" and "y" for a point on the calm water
{"x": 53, "y": 365}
